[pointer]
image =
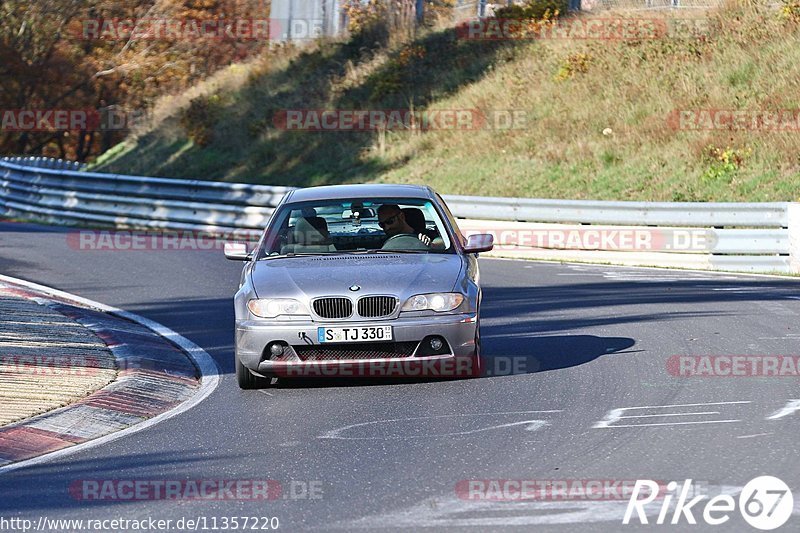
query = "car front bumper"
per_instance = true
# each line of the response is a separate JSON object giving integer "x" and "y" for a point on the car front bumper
{"x": 458, "y": 330}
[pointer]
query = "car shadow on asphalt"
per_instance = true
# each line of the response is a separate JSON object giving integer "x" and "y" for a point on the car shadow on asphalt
{"x": 511, "y": 355}
{"x": 507, "y": 357}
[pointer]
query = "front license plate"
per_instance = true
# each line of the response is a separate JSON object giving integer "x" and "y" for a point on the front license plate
{"x": 355, "y": 334}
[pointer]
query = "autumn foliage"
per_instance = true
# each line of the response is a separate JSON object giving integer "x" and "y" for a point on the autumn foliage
{"x": 71, "y": 55}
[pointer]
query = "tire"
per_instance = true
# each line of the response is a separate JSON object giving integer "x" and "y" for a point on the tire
{"x": 477, "y": 362}
{"x": 476, "y": 357}
{"x": 247, "y": 380}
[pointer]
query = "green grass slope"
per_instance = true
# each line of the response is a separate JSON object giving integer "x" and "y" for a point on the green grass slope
{"x": 600, "y": 115}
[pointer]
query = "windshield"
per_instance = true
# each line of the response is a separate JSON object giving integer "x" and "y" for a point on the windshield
{"x": 357, "y": 225}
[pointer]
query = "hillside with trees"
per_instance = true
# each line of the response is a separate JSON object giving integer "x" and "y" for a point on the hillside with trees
{"x": 700, "y": 105}
{"x": 80, "y": 55}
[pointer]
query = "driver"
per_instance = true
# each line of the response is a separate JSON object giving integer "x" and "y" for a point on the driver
{"x": 392, "y": 221}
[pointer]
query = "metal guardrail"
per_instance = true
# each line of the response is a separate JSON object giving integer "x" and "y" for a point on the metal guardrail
{"x": 757, "y": 237}
{"x": 689, "y": 214}
{"x": 65, "y": 196}
{"x": 44, "y": 162}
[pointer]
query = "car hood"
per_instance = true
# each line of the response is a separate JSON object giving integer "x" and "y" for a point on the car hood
{"x": 402, "y": 275}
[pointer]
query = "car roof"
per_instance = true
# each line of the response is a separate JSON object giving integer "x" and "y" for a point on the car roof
{"x": 369, "y": 190}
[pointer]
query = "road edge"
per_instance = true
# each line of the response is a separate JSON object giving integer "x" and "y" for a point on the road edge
{"x": 207, "y": 367}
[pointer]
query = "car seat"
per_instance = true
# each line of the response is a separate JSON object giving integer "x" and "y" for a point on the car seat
{"x": 310, "y": 235}
{"x": 416, "y": 219}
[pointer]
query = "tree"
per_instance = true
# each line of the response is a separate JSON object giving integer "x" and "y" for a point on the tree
{"x": 52, "y": 56}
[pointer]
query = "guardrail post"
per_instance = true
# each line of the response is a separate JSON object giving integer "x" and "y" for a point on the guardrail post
{"x": 794, "y": 236}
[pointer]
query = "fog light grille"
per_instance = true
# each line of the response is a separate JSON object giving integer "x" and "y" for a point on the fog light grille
{"x": 373, "y": 350}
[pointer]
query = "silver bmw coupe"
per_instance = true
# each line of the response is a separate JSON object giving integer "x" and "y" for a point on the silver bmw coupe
{"x": 356, "y": 281}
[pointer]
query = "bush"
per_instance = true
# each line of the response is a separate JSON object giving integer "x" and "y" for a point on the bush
{"x": 790, "y": 10}
{"x": 577, "y": 63}
{"x": 360, "y": 16}
{"x": 199, "y": 118}
{"x": 534, "y": 10}
{"x": 723, "y": 163}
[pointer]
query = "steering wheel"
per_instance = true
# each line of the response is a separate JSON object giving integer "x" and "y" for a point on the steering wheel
{"x": 404, "y": 241}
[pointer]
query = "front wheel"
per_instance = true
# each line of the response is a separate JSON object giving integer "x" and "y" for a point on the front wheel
{"x": 476, "y": 356}
{"x": 247, "y": 380}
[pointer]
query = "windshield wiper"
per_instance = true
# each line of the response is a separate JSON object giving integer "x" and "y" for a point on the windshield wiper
{"x": 291, "y": 254}
{"x": 344, "y": 252}
{"x": 382, "y": 251}
{"x": 375, "y": 251}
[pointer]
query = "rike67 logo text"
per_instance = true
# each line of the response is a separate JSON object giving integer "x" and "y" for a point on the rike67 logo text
{"x": 765, "y": 503}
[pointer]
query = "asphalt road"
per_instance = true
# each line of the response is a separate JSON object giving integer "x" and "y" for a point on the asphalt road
{"x": 588, "y": 340}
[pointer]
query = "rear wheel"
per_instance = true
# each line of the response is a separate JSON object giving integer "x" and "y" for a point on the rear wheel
{"x": 247, "y": 380}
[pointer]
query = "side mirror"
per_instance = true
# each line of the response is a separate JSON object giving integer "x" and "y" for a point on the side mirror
{"x": 482, "y": 242}
{"x": 236, "y": 251}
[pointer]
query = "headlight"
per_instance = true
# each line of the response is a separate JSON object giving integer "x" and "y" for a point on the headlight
{"x": 273, "y": 307}
{"x": 437, "y": 301}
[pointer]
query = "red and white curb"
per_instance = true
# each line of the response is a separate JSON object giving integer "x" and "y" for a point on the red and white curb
{"x": 156, "y": 381}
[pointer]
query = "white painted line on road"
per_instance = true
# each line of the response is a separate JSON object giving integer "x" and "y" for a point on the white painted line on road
{"x": 615, "y": 415}
{"x": 789, "y": 408}
{"x": 752, "y": 436}
{"x": 687, "y": 405}
{"x": 671, "y": 424}
{"x": 209, "y": 373}
{"x": 530, "y": 425}
{"x": 673, "y": 414}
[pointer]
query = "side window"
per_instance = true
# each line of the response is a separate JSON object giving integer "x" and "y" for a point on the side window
{"x": 440, "y": 236}
{"x": 275, "y": 235}
{"x": 451, "y": 219}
